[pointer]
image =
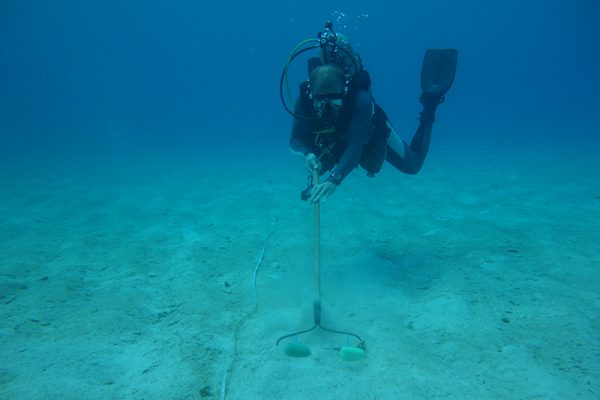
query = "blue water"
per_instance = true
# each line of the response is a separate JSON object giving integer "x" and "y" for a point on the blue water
{"x": 144, "y": 160}
{"x": 119, "y": 77}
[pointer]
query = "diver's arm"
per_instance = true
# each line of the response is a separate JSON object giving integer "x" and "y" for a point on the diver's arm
{"x": 358, "y": 132}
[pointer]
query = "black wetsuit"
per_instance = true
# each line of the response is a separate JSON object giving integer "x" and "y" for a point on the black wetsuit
{"x": 360, "y": 136}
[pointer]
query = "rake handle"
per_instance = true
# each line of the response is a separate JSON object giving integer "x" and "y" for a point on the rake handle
{"x": 317, "y": 235}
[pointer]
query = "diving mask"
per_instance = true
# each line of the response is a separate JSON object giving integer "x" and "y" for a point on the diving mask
{"x": 333, "y": 100}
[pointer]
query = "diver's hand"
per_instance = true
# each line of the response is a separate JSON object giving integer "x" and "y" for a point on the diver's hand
{"x": 321, "y": 191}
{"x": 311, "y": 163}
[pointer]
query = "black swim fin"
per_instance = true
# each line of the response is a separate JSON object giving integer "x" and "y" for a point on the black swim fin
{"x": 439, "y": 68}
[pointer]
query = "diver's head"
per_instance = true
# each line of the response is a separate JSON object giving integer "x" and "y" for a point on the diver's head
{"x": 327, "y": 88}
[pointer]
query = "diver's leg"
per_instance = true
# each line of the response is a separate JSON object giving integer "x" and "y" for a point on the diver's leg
{"x": 410, "y": 158}
{"x": 437, "y": 76}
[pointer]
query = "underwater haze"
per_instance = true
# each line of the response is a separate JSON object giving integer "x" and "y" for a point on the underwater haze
{"x": 118, "y": 76}
{"x": 153, "y": 243}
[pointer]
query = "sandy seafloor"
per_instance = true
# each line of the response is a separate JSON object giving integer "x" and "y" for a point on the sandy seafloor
{"x": 475, "y": 279}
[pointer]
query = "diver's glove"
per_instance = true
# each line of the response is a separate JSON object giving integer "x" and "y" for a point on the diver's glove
{"x": 311, "y": 162}
{"x": 321, "y": 192}
{"x": 430, "y": 102}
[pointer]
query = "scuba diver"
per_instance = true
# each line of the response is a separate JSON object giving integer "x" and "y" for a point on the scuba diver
{"x": 337, "y": 123}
